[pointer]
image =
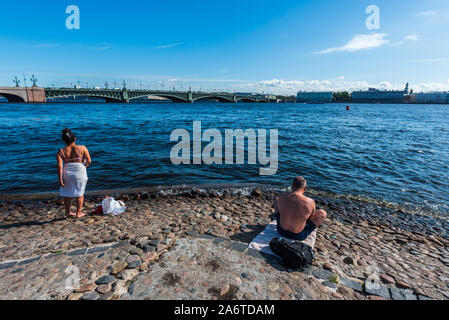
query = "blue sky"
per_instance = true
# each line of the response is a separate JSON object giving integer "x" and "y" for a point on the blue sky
{"x": 277, "y": 46}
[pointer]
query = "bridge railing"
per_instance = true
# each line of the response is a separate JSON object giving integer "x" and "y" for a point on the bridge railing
{"x": 70, "y": 90}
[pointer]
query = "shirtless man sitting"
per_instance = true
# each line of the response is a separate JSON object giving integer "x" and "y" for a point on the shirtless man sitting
{"x": 296, "y": 214}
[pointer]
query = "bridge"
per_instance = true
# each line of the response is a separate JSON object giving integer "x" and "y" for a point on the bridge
{"x": 42, "y": 95}
{"x": 20, "y": 94}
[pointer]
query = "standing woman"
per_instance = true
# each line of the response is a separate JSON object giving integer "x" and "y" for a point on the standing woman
{"x": 72, "y": 163}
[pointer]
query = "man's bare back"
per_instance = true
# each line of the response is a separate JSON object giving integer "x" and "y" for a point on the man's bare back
{"x": 295, "y": 210}
{"x": 297, "y": 215}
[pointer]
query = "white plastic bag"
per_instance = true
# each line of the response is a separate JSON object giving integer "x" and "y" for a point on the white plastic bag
{"x": 110, "y": 206}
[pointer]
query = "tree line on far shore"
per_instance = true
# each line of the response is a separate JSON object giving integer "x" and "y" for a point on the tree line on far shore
{"x": 341, "y": 96}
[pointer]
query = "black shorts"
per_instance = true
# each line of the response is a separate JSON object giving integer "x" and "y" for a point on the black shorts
{"x": 303, "y": 235}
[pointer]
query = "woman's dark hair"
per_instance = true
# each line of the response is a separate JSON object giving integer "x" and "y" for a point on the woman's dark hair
{"x": 68, "y": 136}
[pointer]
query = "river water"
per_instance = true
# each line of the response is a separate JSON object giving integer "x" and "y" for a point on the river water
{"x": 381, "y": 153}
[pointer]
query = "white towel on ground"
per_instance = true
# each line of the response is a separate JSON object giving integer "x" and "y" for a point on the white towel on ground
{"x": 262, "y": 241}
{"x": 113, "y": 207}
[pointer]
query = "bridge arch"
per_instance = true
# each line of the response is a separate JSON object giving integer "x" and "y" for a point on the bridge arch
{"x": 12, "y": 97}
{"x": 246, "y": 100}
{"x": 214, "y": 97}
{"x": 99, "y": 96}
{"x": 165, "y": 96}
{"x": 17, "y": 94}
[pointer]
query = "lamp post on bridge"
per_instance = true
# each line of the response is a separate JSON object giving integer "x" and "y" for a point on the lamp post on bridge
{"x": 25, "y": 80}
{"x": 33, "y": 80}
{"x": 16, "y": 81}
{"x": 124, "y": 93}
{"x": 106, "y": 85}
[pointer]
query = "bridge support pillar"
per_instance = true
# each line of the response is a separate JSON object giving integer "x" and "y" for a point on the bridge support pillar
{"x": 36, "y": 95}
{"x": 125, "y": 96}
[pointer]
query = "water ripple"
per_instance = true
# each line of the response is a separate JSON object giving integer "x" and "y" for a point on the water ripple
{"x": 393, "y": 153}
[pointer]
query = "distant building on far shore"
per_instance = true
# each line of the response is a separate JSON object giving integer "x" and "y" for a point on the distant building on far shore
{"x": 379, "y": 96}
{"x": 314, "y": 97}
{"x": 427, "y": 98}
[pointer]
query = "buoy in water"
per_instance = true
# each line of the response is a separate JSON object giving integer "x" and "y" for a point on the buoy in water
{"x": 348, "y": 108}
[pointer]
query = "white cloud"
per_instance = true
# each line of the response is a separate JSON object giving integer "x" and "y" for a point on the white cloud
{"x": 274, "y": 86}
{"x": 432, "y": 86}
{"x": 170, "y": 45}
{"x": 290, "y": 87}
{"x": 428, "y": 13}
{"x": 411, "y": 37}
{"x": 105, "y": 47}
{"x": 432, "y": 60}
{"x": 408, "y": 38}
{"x": 360, "y": 42}
{"x": 278, "y": 86}
{"x": 385, "y": 85}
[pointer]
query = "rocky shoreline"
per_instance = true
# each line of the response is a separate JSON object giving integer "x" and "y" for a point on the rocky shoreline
{"x": 137, "y": 255}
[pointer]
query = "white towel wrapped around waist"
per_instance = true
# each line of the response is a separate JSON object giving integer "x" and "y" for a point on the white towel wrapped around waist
{"x": 75, "y": 180}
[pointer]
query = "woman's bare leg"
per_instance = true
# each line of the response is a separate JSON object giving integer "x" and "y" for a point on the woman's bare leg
{"x": 79, "y": 205}
{"x": 68, "y": 204}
